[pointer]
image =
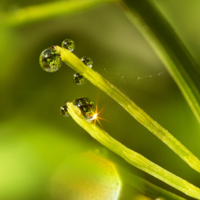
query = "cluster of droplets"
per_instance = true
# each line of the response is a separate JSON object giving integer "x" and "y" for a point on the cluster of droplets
{"x": 78, "y": 78}
{"x": 86, "y": 106}
{"x": 50, "y": 60}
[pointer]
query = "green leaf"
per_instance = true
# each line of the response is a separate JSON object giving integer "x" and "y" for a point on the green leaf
{"x": 169, "y": 47}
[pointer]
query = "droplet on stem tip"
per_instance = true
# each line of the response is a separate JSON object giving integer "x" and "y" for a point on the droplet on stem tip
{"x": 50, "y": 60}
{"x": 87, "y": 107}
{"x": 68, "y": 44}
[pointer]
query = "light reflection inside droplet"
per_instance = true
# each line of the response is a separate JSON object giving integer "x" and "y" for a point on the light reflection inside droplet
{"x": 94, "y": 117}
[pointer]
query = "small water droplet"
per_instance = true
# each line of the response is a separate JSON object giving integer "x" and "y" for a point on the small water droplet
{"x": 68, "y": 44}
{"x": 87, "y": 61}
{"x": 63, "y": 111}
{"x": 79, "y": 79}
{"x": 87, "y": 107}
{"x": 50, "y": 60}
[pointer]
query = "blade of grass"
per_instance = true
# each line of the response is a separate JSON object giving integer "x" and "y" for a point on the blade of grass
{"x": 49, "y": 10}
{"x": 132, "y": 157}
{"x": 168, "y": 46}
{"x": 95, "y": 78}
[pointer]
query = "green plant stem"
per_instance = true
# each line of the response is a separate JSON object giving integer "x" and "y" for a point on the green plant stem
{"x": 95, "y": 78}
{"x": 49, "y": 10}
{"x": 168, "y": 46}
{"x": 132, "y": 157}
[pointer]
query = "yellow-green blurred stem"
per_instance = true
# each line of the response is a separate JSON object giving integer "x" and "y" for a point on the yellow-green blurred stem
{"x": 132, "y": 157}
{"x": 95, "y": 78}
{"x": 49, "y": 10}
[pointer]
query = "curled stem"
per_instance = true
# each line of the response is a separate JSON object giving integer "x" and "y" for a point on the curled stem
{"x": 131, "y": 156}
{"x": 95, "y": 78}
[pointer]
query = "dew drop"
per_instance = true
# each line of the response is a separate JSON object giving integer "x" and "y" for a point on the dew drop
{"x": 79, "y": 79}
{"x": 63, "y": 111}
{"x": 87, "y": 61}
{"x": 87, "y": 107}
{"x": 50, "y": 60}
{"x": 68, "y": 44}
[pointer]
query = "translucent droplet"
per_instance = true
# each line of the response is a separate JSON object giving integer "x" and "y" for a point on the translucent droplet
{"x": 63, "y": 111}
{"x": 79, "y": 79}
{"x": 87, "y": 61}
{"x": 68, "y": 44}
{"x": 50, "y": 60}
{"x": 87, "y": 107}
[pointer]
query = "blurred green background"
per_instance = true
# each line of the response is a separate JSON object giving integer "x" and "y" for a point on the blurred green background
{"x": 36, "y": 141}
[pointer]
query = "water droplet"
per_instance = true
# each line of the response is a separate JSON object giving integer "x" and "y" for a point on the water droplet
{"x": 63, "y": 111}
{"x": 87, "y": 107}
{"x": 87, "y": 61}
{"x": 68, "y": 44}
{"x": 50, "y": 60}
{"x": 79, "y": 79}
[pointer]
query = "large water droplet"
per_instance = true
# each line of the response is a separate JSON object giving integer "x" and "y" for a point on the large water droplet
{"x": 79, "y": 79}
{"x": 50, "y": 60}
{"x": 87, "y": 61}
{"x": 68, "y": 44}
{"x": 63, "y": 111}
{"x": 87, "y": 107}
